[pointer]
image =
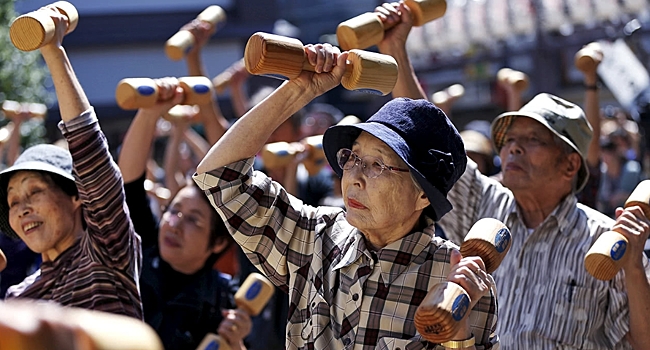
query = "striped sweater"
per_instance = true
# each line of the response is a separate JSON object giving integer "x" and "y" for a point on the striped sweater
{"x": 100, "y": 271}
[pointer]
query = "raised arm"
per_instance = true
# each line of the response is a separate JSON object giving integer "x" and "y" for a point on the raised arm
{"x": 250, "y": 132}
{"x": 137, "y": 142}
{"x": 394, "y": 44}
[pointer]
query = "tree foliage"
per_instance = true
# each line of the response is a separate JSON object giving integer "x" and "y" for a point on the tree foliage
{"x": 23, "y": 76}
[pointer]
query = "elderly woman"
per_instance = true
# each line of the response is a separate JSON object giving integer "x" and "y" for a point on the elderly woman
{"x": 70, "y": 207}
{"x": 355, "y": 277}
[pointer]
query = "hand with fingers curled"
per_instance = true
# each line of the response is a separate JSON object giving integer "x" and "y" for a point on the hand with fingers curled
{"x": 235, "y": 326}
{"x": 329, "y": 67}
{"x": 632, "y": 223}
{"x": 202, "y": 31}
{"x": 470, "y": 273}
{"x": 170, "y": 94}
{"x": 397, "y": 16}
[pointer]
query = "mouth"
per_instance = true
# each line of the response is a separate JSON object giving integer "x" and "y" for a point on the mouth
{"x": 31, "y": 227}
{"x": 170, "y": 242}
{"x": 355, "y": 204}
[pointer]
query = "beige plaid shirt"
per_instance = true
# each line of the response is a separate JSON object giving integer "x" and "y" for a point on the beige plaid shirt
{"x": 341, "y": 295}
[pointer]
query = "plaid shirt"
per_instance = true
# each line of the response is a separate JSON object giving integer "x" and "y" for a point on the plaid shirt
{"x": 547, "y": 298}
{"x": 341, "y": 295}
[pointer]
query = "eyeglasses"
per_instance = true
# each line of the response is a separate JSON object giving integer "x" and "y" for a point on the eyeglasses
{"x": 174, "y": 216}
{"x": 371, "y": 166}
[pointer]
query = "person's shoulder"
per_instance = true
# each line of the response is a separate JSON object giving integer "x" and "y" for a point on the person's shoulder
{"x": 594, "y": 217}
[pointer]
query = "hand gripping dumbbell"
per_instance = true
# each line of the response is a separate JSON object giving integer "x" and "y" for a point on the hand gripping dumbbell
{"x": 134, "y": 93}
{"x": 35, "y": 29}
{"x": 517, "y": 79}
{"x": 607, "y": 255}
{"x": 589, "y": 57}
{"x": 283, "y": 57}
{"x": 251, "y": 297}
{"x": 367, "y": 29}
{"x": 441, "y": 311}
{"x": 13, "y": 108}
{"x": 222, "y": 81}
{"x": 180, "y": 43}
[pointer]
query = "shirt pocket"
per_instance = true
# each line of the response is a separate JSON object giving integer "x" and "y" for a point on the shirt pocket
{"x": 388, "y": 343}
{"x": 568, "y": 321}
{"x": 319, "y": 317}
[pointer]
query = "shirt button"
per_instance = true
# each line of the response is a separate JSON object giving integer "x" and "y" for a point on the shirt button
{"x": 355, "y": 297}
{"x": 346, "y": 341}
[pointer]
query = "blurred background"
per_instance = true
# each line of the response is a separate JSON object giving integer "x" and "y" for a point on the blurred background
{"x": 475, "y": 38}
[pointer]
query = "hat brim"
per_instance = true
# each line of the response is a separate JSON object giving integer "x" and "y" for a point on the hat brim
{"x": 6, "y": 174}
{"x": 501, "y": 124}
{"x": 343, "y": 136}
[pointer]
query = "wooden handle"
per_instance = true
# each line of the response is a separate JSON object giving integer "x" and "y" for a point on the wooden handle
{"x": 589, "y": 57}
{"x": 518, "y": 80}
{"x": 222, "y": 80}
{"x": 3, "y": 261}
{"x": 607, "y": 255}
{"x": 37, "y": 325}
{"x": 439, "y": 315}
{"x": 134, "y": 93}
{"x": 14, "y": 108}
{"x": 180, "y": 43}
{"x": 315, "y": 159}
{"x": 35, "y": 29}
{"x": 254, "y": 293}
{"x": 283, "y": 57}
{"x": 367, "y": 29}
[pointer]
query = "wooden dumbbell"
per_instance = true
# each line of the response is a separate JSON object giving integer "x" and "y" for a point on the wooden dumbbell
{"x": 134, "y": 93}
{"x": 589, "y": 57}
{"x": 315, "y": 159}
{"x": 283, "y": 57}
{"x": 3, "y": 261}
{"x": 251, "y": 297}
{"x": 440, "y": 314}
{"x": 222, "y": 81}
{"x": 367, "y": 29}
{"x": 518, "y": 80}
{"x": 182, "y": 113}
{"x": 14, "y": 108}
{"x": 35, "y": 29}
{"x": 42, "y": 325}
{"x": 180, "y": 43}
{"x": 607, "y": 255}
{"x": 449, "y": 95}
{"x": 278, "y": 155}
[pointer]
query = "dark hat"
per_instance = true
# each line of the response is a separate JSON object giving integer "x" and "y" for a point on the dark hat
{"x": 45, "y": 158}
{"x": 564, "y": 119}
{"x": 419, "y": 133}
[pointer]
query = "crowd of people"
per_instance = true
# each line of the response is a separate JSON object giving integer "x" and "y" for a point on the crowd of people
{"x": 353, "y": 219}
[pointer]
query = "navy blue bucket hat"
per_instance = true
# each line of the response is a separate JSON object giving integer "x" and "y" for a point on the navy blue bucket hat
{"x": 419, "y": 133}
{"x": 44, "y": 158}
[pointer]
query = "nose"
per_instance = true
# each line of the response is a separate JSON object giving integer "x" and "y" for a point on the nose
{"x": 514, "y": 147}
{"x": 175, "y": 219}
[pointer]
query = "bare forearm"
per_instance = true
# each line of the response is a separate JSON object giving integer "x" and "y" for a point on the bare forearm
{"x": 194, "y": 64}
{"x": 592, "y": 112}
{"x": 71, "y": 97}
{"x": 213, "y": 121}
{"x": 407, "y": 84}
{"x": 136, "y": 146}
{"x": 172, "y": 159}
{"x": 638, "y": 290}
{"x": 247, "y": 136}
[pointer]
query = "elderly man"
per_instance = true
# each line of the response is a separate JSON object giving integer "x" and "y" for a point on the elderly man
{"x": 354, "y": 277}
{"x": 547, "y": 299}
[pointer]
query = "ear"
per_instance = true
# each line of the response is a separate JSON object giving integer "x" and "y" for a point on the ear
{"x": 220, "y": 245}
{"x": 422, "y": 201}
{"x": 573, "y": 164}
{"x": 76, "y": 202}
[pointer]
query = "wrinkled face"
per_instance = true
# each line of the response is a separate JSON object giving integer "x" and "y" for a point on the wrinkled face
{"x": 184, "y": 235}
{"x": 40, "y": 212}
{"x": 530, "y": 158}
{"x": 380, "y": 206}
